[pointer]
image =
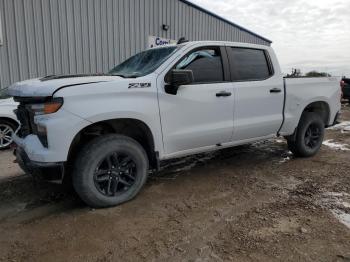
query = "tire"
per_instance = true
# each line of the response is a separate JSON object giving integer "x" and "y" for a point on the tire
{"x": 110, "y": 170}
{"x": 7, "y": 129}
{"x": 309, "y": 135}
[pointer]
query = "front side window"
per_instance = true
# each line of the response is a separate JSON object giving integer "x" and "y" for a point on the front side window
{"x": 248, "y": 64}
{"x": 143, "y": 63}
{"x": 206, "y": 65}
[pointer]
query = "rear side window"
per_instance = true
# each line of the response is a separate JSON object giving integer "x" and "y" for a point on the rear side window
{"x": 248, "y": 64}
{"x": 206, "y": 65}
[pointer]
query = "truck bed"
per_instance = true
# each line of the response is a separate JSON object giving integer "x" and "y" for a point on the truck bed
{"x": 302, "y": 91}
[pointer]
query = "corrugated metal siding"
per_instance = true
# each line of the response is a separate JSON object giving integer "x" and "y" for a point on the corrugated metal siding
{"x": 44, "y": 37}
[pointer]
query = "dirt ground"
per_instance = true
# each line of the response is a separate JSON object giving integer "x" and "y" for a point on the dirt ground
{"x": 251, "y": 203}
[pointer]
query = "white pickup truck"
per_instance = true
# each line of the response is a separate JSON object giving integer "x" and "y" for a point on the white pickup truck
{"x": 109, "y": 130}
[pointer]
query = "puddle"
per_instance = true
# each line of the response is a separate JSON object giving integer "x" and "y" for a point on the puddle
{"x": 11, "y": 209}
{"x": 335, "y": 145}
{"x": 277, "y": 147}
{"x": 339, "y": 205}
{"x": 187, "y": 163}
{"x": 273, "y": 148}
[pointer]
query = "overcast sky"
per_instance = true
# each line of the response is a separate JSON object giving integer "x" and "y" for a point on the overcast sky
{"x": 306, "y": 34}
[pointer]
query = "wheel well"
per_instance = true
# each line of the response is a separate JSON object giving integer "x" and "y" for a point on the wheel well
{"x": 321, "y": 108}
{"x": 133, "y": 128}
{"x": 9, "y": 120}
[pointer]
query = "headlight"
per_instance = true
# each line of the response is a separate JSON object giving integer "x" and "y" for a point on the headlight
{"x": 48, "y": 107}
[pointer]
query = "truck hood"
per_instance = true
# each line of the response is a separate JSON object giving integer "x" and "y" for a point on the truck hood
{"x": 48, "y": 85}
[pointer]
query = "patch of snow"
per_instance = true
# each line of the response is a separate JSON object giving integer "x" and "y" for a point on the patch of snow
{"x": 280, "y": 141}
{"x": 339, "y": 205}
{"x": 336, "y": 194}
{"x": 342, "y": 217}
{"x": 335, "y": 145}
{"x": 341, "y": 126}
{"x": 285, "y": 159}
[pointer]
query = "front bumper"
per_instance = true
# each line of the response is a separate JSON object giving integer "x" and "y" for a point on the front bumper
{"x": 61, "y": 129}
{"x": 31, "y": 146}
{"x": 49, "y": 171}
{"x": 25, "y": 163}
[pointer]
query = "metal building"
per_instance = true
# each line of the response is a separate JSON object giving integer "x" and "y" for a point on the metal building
{"x": 45, "y": 37}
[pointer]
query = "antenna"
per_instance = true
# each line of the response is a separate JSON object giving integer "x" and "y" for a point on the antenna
{"x": 182, "y": 40}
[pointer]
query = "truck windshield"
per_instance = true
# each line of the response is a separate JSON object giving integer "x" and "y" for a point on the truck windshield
{"x": 143, "y": 63}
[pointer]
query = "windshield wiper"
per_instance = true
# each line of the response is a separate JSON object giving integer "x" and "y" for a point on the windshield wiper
{"x": 123, "y": 76}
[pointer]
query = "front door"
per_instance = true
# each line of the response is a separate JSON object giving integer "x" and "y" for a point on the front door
{"x": 200, "y": 114}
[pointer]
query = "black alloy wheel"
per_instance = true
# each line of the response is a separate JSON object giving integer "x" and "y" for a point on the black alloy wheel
{"x": 115, "y": 174}
{"x": 312, "y": 136}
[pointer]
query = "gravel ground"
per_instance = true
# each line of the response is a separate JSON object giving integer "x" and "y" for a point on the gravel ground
{"x": 7, "y": 168}
{"x": 251, "y": 203}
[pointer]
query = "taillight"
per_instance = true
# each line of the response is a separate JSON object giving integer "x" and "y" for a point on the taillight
{"x": 342, "y": 84}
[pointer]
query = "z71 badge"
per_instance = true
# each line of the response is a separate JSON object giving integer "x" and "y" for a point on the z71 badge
{"x": 139, "y": 85}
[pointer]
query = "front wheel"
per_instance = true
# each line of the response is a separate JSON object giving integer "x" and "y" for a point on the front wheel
{"x": 110, "y": 170}
{"x": 309, "y": 135}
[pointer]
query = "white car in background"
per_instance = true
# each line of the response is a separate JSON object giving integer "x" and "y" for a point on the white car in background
{"x": 8, "y": 120}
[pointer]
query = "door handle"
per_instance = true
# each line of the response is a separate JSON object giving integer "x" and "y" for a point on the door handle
{"x": 223, "y": 93}
{"x": 275, "y": 90}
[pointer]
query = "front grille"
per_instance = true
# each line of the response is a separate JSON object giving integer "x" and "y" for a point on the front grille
{"x": 24, "y": 118}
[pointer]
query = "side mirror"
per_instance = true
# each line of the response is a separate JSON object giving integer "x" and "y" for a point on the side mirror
{"x": 178, "y": 77}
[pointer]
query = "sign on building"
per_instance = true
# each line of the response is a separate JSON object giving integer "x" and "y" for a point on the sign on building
{"x": 154, "y": 41}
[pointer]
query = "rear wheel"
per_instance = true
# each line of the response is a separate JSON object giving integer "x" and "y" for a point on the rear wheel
{"x": 110, "y": 170}
{"x": 309, "y": 135}
{"x": 7, "y": 129}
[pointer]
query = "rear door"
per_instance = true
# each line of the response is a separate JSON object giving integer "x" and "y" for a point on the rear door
{"x": 259, "y": 93}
